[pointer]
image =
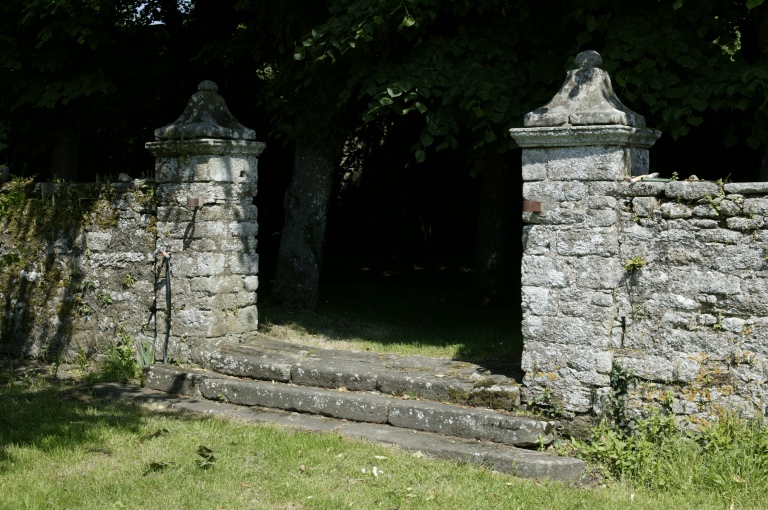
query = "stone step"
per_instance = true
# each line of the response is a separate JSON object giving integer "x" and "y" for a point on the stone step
{"x": 495, "y": 456}
{"x": 359, "y": 406}
{"x": 440, "y": 380}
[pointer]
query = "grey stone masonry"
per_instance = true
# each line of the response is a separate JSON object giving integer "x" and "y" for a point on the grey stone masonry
{"x": 664, "y": 282}
{"x": 206, "y": 170}
{"x": 577, "y": 151}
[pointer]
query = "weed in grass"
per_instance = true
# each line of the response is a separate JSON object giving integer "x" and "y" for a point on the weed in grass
{"x": 120, "y": 364}
{"x": 728, "y": 457}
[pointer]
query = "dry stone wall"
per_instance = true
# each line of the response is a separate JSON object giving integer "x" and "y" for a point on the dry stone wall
{"x": 85, "y": 273}
{"x": 694, "y": 316}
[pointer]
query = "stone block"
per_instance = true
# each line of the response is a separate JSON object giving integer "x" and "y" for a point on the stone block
{"x": 225, "y": 323}
{"x": 211, "y": 193}
{"x": 567, "y": 330}
{"x": 547, "y": 357}
{"x": 691, "y": 190}
{"x": 673, "y": 210}
{"x": 601, "y": 202}
{"x": 347, "y": 406}
{"x": 719, "y": 235}
{"x": 240, "y": 364}
{"x": 432, "y": 417}
{"x": 98, "y": 241}
{"x": 591, "y": 163}
{"x": 243, "y": 263}
{"x": 745, "y": 188}
{"x": 219, "y": 284}
{"x": 592, "y": 272}
{"x": 650, "y": 368}
{"x": 560, "y": 191}
{"x": 564, "y": 213}
{"x": 199, "y": 264}
{"x": 541, "y": 272}
{"x": 706, "y": 224}
{"x": 705, "y": 211}
{"x": 644, "y": 206}
{"x": 536, "y": 240}
{"x": 730, "y": 208}
{"x": 534, "y": 164}
{"x": 580, "y": 242}
{"x": 327, "y": 373}
{"x": 207, "y": 168}
{"x": 540, "y": 301}
{"x": 640, "y": 189}
{"x": 601, "y": 218}
{"x": 738, "y": 223}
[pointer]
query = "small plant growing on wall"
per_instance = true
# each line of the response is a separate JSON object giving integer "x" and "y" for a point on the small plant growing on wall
{"x": 128, "y": 281}
{"x": 634, "y": 264}
{"x": 104, "y": 298}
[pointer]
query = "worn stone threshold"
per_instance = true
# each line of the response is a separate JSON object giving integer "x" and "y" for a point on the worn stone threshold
{"x": 439, "y": 380}
{"x": 491, "y": 455}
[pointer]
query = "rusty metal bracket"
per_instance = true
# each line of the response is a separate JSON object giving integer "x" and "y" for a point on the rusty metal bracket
{"x": 531, "y": 206}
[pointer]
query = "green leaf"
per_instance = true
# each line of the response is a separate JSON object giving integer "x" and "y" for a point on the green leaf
{"x": 426, "y": 140}
{"x": 419, "y": 106}
{"x": 298, "y": 55}
{"x": 421, "y": 156}
{"x": 385, "y": 101}
{"x": 592, "y": 23}
{"x": 394, "y": 92}
{"x": 650, "y": 99}
{"x": 378, "y": 20}
{"x": 490, "y": 136}
{"x": 679, "y": 3}
{"x": 751, "y": 4}
{"x": 408, "y": 21}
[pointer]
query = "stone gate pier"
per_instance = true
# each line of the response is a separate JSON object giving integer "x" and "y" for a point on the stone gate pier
{"x": 206, "y": 168}
{"x": 658, "y": 282}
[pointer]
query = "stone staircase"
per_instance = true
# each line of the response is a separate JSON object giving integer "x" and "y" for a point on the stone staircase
{"x": 440, "y": 407}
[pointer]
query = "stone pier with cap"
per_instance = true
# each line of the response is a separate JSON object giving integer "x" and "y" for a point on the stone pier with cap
{"x": 206, "y": 170}
{"x": 577, "y": 150}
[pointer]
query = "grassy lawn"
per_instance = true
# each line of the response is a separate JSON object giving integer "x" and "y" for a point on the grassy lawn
{"x": 60, "y": 448}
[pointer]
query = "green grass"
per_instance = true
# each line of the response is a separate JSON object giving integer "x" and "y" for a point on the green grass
{"x": 60, "y": 448}
{"x": 432, "y": 316}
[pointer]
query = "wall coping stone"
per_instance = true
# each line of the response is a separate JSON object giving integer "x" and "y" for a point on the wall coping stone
{"x": 746, "y": 187}
{"x": 579, "y": 136}
{"x": 208, "y": 146}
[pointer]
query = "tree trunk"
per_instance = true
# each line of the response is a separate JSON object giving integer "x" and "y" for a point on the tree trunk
{"x": 66, "y": 151}
{"x": 492, "y": 245}
{"x": 306, "y": 212}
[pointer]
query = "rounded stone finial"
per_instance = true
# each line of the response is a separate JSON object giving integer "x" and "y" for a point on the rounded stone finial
{"x": 208, "y": 85}
{"x": 585, "y": 99}
{"x": 587, "y": 59}
{"x": 206, "y": 116}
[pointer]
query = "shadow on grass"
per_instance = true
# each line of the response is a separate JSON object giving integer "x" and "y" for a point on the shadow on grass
{"x": 428, "y": 313}
{"x": 39, "y": 411}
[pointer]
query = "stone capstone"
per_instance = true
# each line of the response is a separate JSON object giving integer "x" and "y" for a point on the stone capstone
{"x": 206, "y": 116}
{"x": 586, "y": 98}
